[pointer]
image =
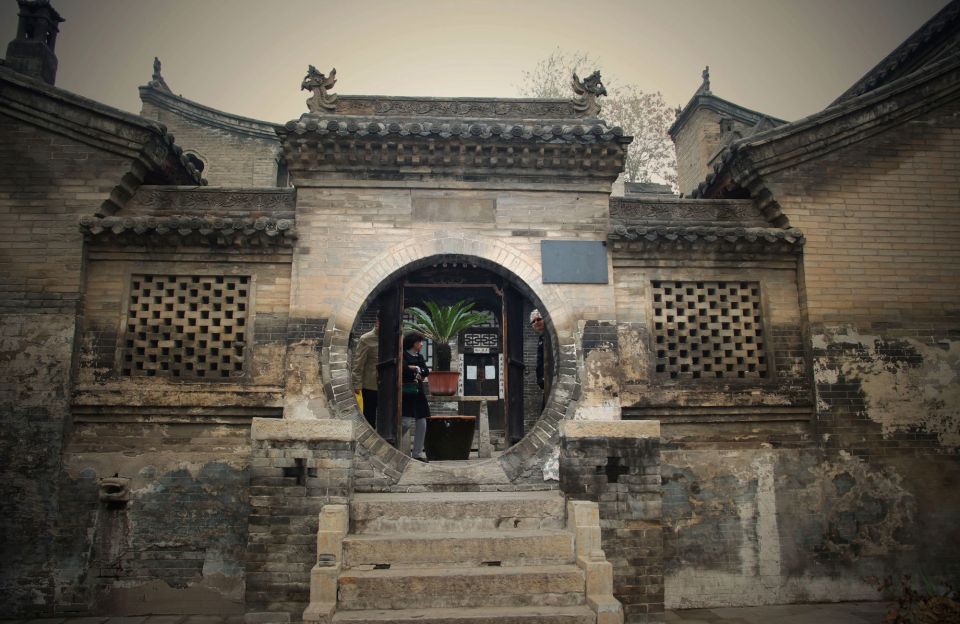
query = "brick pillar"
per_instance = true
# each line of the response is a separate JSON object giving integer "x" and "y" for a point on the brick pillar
{"x": 617, "y": 465}
{"x": 298, "y": 466}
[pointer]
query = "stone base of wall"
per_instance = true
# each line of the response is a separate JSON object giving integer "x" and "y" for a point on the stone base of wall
{"x": 298, "y": 466}
{"x": 617, "y": 465}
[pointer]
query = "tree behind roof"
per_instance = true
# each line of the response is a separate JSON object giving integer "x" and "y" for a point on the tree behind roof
{"x": 645, "y": 116}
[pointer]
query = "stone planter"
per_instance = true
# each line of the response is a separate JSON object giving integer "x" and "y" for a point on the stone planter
{"x": 449, "y": 437}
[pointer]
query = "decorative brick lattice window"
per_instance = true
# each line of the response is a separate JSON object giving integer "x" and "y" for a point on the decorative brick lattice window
{"x": 186, "y": 326}
{"x": 708, "y": 330}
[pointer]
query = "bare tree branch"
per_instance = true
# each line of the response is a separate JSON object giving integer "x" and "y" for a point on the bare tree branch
{"x": 645, "y": 116}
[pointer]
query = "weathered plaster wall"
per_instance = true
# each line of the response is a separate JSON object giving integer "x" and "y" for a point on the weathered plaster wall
{"x": 873, "y": 490}
{"x": 47, "y": 181}
{"x": 179, "y": 544}
{"x": 769, "y": 526}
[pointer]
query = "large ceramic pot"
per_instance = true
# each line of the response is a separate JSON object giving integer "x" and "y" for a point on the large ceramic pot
{"x": 443, "y": 383}
{"x": 449, "y": 437}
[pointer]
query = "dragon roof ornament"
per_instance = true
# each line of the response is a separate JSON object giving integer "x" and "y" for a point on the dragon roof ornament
{"x": 322, "y": 101}
{"x": 588, "y": 93}
{"x": 156, "y": 80}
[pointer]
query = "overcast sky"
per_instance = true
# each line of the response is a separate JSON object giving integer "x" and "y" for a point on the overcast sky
{"x": 784, "y": 58}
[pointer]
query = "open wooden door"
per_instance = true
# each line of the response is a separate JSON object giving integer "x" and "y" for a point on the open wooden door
{"x": 388, "y": 369}
{"x": 513, "y": 323}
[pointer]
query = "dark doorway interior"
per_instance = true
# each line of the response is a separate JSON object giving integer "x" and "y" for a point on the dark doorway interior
{"x": 496, "y": 360}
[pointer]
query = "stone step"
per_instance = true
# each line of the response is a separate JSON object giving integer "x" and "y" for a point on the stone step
{"x": 448, "y": 587}
{"x": 485, "y": 615}
{"x": 456, "y": 512}
{"x": 506, "y": 548}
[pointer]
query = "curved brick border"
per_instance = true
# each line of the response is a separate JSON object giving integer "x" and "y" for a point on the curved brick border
{"x": 520, "y": 268}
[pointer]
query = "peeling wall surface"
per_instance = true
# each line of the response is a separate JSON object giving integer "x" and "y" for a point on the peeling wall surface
{"x": 177, "y": 543}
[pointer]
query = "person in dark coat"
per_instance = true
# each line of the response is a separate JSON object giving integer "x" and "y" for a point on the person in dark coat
{"x": 415, "y": 409}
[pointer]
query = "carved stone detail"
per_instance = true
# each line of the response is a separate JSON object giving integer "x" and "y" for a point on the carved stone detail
{"x": 157, "y": 81}
{"x": 588, "y": 93}
{"x": 322, "y": 101}
{"x": 190, "y": 200}
{"x": 729, "y": 213}
{"x": 456, "y": 107}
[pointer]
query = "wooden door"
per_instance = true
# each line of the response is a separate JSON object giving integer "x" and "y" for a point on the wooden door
{"x": 388, "y": 369}
{"x": 513, "y": 323}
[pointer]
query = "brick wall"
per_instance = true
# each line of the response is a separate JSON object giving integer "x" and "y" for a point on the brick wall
{"x": 617, "y": 465}
{"x": 880, "y": 218}
{"x": 882, "y": 292}
{"x": 870, "y": 488}
{"x": 297, "y": 468}
{"x": 370, "y": 231}
{"x": 230, "y": 158}
{"x": 696, "y": 142}
{"x": 47, "y": 182}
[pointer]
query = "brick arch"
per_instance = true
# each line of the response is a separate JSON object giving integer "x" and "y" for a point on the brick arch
{"x": 492, "y": 254}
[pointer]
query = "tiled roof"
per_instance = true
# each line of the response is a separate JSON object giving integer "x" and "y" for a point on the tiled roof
{"x": 789, "y": 240}
{"x": 180, "y": 230}
{"x": 447, "y": 128}
{"x": 904, "y": 58}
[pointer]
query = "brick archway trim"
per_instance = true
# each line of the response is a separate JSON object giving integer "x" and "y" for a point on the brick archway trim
{"x": 521, "y": 269}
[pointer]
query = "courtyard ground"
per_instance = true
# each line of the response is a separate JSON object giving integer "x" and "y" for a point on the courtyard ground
{"x": 837, "y": 613}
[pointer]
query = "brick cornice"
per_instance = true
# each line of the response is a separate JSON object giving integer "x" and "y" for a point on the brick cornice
{"x": 710, "y": 238}
{"x": 190, "y": 230}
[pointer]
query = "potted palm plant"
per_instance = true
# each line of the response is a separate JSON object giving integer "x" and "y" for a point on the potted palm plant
{"x": 441, "y": 324}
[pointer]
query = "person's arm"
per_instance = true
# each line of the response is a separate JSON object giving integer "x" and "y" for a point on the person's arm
{"x": 422, "y": 363}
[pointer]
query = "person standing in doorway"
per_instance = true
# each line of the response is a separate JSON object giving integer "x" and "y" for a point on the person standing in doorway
{"x": 415, "y": 410}
{"x": 364, "y": 371}
{"x": 544, "y": 361}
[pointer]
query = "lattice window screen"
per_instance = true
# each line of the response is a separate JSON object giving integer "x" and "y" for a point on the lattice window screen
{"x": 708, "y": 330}
{"x": 186, "y": 326}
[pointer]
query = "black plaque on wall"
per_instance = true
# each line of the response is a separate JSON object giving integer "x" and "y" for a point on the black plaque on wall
{"x": 574, "y": 262}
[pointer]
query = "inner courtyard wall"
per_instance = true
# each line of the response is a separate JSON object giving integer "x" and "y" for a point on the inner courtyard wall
{"x": 883, "y": 296}
{"x": 350, "y": 236}
{"x": 869, "y": 486}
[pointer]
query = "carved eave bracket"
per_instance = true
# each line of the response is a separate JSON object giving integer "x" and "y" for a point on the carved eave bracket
{"x": 710, "y": 239}
{"x": 190, "y": 231}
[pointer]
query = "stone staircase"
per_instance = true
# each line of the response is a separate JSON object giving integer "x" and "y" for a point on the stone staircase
{"x": 461, "y": 557}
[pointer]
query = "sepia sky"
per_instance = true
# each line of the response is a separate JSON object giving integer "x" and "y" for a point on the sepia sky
{"x": 786, "y": 58}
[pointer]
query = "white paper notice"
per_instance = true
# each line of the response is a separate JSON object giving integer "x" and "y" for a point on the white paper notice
{"x": 471, "y": 372}
{"x": 490, "y": 372}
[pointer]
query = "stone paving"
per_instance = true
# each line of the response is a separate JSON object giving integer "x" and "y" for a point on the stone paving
{"x": 837, "y": 613}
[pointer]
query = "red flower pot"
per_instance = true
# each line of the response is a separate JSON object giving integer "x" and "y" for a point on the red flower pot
{"x": 443, "y": 383}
